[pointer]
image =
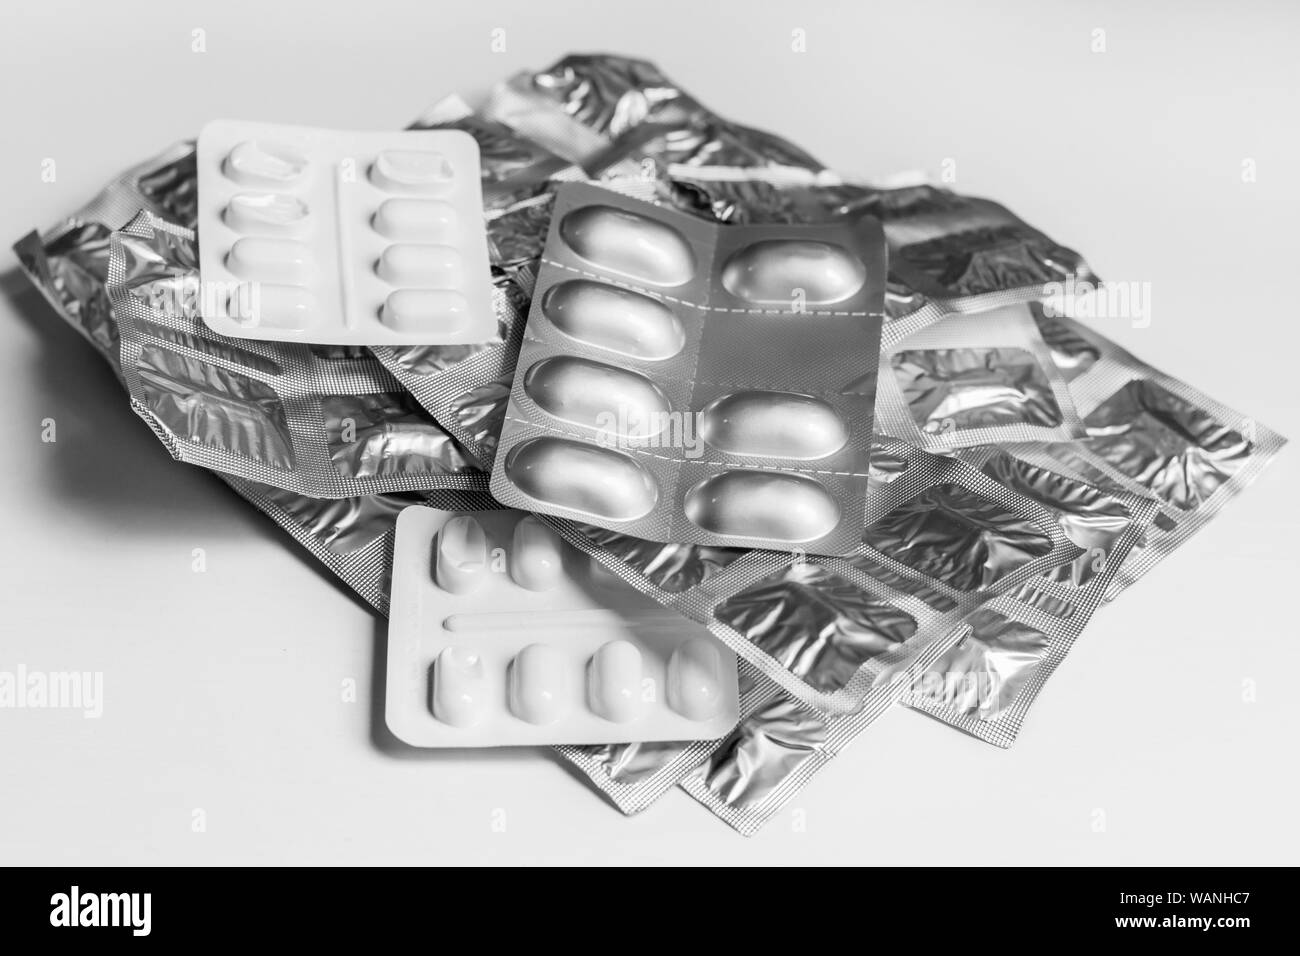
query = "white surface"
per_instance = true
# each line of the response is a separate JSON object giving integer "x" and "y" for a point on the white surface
{"x": 486, "y": 619}
{"x": 226, "y": 691}
{"x": 340, "y": 248}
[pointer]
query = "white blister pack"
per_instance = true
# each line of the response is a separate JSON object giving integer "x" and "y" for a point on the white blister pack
{"x": 502, "y": 634}
{"x": 342, "y": 238}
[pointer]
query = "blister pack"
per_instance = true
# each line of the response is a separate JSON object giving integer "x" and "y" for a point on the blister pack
{"x": 986, "y": 683}
{"x": 941, "y": 538}
{"x": 681, "y": 381}
{"x": 974, "y": 379}
{"x": 500, "y": 634}
{"x": 1152, "y": 434}
{"x": 323, "y": 421}
{"x": 336, "y": 237}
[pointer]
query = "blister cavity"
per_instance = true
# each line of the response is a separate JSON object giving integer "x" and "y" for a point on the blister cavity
{"x": 614, "y": 319}
{"x": 629, "y": 245}
{"x": 612, "y": 400}
{"x": 584, "y": 478}
{"x": 767, "y": 424}
{"x": 763, "y": 504}
{"x": 786, "y": 271}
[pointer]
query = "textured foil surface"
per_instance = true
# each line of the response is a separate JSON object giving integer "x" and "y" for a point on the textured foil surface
{"x": 974, "y": 388}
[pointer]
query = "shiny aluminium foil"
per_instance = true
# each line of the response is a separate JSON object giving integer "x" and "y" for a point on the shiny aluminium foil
{"x": 974, "y": 379}
{"x": 325, "y": 422}
{"x": 352, "y": 537}
{"x": 941, "y": 538}
{"x": 1149, "y": 433}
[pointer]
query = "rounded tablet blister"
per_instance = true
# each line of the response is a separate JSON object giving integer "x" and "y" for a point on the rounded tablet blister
{"x": 272, "y": 306}
{"x": 614, "y": 319}
{"x": 783, "y": 271}
{"x": 459, "y": 687}
{"x": 423, "y": 265}
{"x": 416, "y": 220}
{"x": 425, "y": 310}
{"x": 271, "y": 260}
{"x": 536, "y": 555}
{"x": 614, "y": 682}
{"x": 695, "y": 679}
{"x": 773, "y": 425}
{"x": 613, "y": 400}
{"x": 461, "y": 558}
{"x": 265, "y": 163}
{"x": 266, "y": 213}
{"x": 581, "y": 477}
{"x": 629, "y": 244}
{"x": 763, "y": 504}
{"x": 539, "y": 684}
{"x": 412, "y": 170}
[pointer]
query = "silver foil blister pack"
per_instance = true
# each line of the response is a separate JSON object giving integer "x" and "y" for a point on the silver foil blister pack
{"x": 682, "y": 381}
{"x": 974, "y": 379}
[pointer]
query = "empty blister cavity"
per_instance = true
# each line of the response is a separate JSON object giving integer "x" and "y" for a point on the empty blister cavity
{"x": 773, "y": 425}
{"x": 695, "y": 679}
{"x": 416, "y": 220}
{"x": 461, "y": 558}
{"x": 614, "y": 682}
{"x": 270, "y": 260}
{"x": 612, "y": 400}
{"x": 536, "y": 556}
{"x": 818, "y": 624}
{"x": 266, "y": 213}
{"x": 1179, "y": 451}
{"x": 265, "y": 163}
{"x": 983, "y": 673}
{"x": 950, "y": 389}
{"x": 460, "y": 695}
{"x": 958, "y": 536}
{"x": 424, "y": 265}
{"x": 412, "y": 170}
{"x": 629, "y": 244}
{"x": 617, "y": 320}
{"x": 793, "y": 271}
{"x": 763, "y": 504}
{"x": 539, "y": 684}
{"x": 583, "y": 478}
{"x": 425, "y": 310}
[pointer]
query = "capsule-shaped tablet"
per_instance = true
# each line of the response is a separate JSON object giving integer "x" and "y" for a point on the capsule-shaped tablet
{"x": 614, "y": 682}
{"x": 763, "y": 504}
{"x": 773, "y": 425}
{"x": 536, "y": 555}
{"x": 461, "y": 560}
{"x": 617, "y": 320}
{"x": 416, "y": 220}
{"x": 271, "y": 260}
{"x": 585, "y": 478}
{"x": 432, "y": 311}
{"x": 424, "y": 265}
{"x": 788, "y": 271}
{"x": 539, "y": 684}
{"x": 270, "y": 306}
{"x": 695, "y": 679}
{"x": 460, "y": 695}
{"x": 629, "y": 244}
{"x": 613, "y": 400}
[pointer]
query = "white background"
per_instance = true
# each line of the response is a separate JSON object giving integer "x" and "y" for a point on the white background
{"x": 223, "y": 689}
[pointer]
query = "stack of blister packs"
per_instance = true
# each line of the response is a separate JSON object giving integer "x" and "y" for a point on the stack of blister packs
{"x": 704, "y": 455}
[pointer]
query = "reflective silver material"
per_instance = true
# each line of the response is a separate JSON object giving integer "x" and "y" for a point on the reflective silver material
{"x": 818, "y": 624}
{"x": 974, "y": 388}
{"x": 386, "y": 434}
{"x": 671, "y": 567}
{"x": 984, "y": 672}
{"x": 1177, "y": 450}
{"x": 958, "y": 536}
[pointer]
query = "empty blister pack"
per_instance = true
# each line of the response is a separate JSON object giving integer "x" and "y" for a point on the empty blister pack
{"x": 986, "y": 683}
{"x": 681, "y": 381}
{"x": 323, "y": 421}
{"x": 342, "y": 238}
{"x": 1152, "y": 434}
{"x": 501, "y": 634}
{"x": 941, "y": 538}
{"x": 974, "y": 379}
